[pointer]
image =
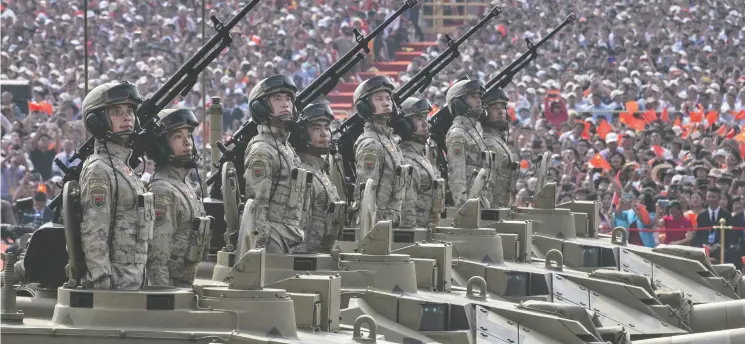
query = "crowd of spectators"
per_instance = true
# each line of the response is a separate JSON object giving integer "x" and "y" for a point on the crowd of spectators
{"x": 640, "y": 103}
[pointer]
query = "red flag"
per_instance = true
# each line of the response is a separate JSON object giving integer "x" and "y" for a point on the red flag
{"x": 586, "y": 131}
{"x": 616, "y": 196}
{"x": 722, "y": 130}
{"x": 665, "y": 117}
{"x": 599, "y": 162}
{"x": 632, "y": 107}
{"x": 677, "y": 122}
{"x": 740, "y": 115}
{"x": 649, "y": 116}
{"x": 697, "y": 117}
{"x": 637, "y": 124}
{"x": 658, "y": 150}
{"x": 731, "y": 133}
{"x": 742, "y": 150}
{"x": 603, "y": 129}
{"x": 711, "y": 117}
{"x": 624, "y": 117}
{"x": 740, "y": 137}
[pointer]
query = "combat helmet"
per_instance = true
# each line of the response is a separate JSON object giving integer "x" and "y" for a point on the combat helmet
{"x": 457, "y": 93}
{"x": 258, "y": 98}
{"x": 404, "y": 126}
{"x": 161, "y": 151}
{"x": 362, "y": 102}
{"x": 300, "y": 138}
{"x": 495, "y": 95}
{"x": 96, "y": 122}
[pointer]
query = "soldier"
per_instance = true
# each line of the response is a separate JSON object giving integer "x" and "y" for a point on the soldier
{"x": 311, "y": 140}
{"x": 117, "y": 209}
{"x": 505, "y": 166}
{"x": 181, "y": 227}
{"x": 376, "y": 154}
{"x": 422, "y": 205}
{"x": 464, "y": 141}
{"x": 269, "y": 162}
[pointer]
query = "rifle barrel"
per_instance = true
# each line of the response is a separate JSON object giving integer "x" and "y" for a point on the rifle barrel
{"x": 406, "y": 91}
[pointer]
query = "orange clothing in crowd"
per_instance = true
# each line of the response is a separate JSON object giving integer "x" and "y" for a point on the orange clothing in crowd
{"x": 691, "y": 216}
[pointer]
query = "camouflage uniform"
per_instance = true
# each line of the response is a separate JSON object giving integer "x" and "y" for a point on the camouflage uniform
{"x": 377, "y": 157}
{"x": 320, "y": 233}
{"x": 417, "y": 210}
{"x": 502, "y": 183}
{"x": 181, "y": 231}
{"x": 464, "y": 141}
{"x": 115, "y": 256}
{"x": 268, "y": 174}
{"x": 503, "y": 176}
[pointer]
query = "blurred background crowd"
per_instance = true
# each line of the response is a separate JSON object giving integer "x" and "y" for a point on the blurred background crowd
{"x": 641, "y": 103}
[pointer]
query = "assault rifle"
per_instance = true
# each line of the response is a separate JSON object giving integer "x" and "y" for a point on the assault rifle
{"x": 353, "y": 127}
{"x": 147, "y": 113}
{"x": 441, "y": 121}
{"x": 320, "y": 86}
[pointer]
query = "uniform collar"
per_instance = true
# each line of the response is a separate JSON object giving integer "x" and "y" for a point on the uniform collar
{"x": 471, "y": 123}
{"x": 412, "y": 146}
{"x": 278, "y": 133}
{"x": 380, "y": 129}
{"x": 314, "y": 161}
{"x": 173, "y": 172}
{"x": 114, "y": 149}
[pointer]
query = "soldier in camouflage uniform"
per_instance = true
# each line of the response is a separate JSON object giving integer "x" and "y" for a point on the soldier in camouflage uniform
{"x": 423, "y": 205}
{"x": 269, "y": 162}
{"x": 505, "y": 167}
{"x": 464, "y": 141}
{"x": 117, "y": 209}
{"x": 311, "y": 140}
{"x": 377, "y": 156}
{"x": 181, "y": 228}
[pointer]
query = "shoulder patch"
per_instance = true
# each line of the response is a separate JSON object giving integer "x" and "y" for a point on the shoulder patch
{"x": 161, "y": 210}
{"x": 369, "y": 160}
{"x": 458, "y": 148}
{"x": 258, "y": 168}
{"x": 98, "y": 194}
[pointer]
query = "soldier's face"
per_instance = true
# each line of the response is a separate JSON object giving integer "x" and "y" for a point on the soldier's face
{"x": 382, "y": 102}
{"x": 473, "y": 100}
{"x": 421, "y": 127}
{"x": 320, "y": 133}
{"x": 181, "y": 142}
{"x": 281, "y": 104}
{"x": 122, "y": 118}
{"x": 497, "y": 111}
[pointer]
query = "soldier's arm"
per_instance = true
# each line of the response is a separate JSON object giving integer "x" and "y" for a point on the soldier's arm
{"x": 408, "y": 208}
{"x": 96, "y": 196}
{"x": 370, "y": 158}
{"x": 457, "y": 170}
{"x": 260, "y": 170}
{"x": 159, "y": 248}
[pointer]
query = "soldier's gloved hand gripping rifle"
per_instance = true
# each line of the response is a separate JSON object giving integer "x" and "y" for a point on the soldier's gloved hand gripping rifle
{"x": 441, "y": 121}
{"x": 147, "y": 113}
{"x": 320, "y": 86}
{"x": 353, "y": 127}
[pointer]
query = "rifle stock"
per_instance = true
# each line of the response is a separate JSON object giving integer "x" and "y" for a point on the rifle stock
{"x": 180, "y": 83}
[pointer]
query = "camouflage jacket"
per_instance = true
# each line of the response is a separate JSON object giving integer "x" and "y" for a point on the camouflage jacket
{"x": 503, "y": 178}
{"x": 377, "y": 157}
{"x": 418, "y": 210}
{"x": 320, "y": 229}
{"x": 117, "y": 221}
{"x": 464, "y": 143}
{"x": 181, "y": 230}
{"x": 269, "y": 162}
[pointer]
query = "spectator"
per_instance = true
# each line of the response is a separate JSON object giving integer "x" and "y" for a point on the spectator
{"x": 64, "y": 156}
{"x": 40, "y": 213}
{"x": 44, "y": 151}
{"x": 674, "y": 223}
